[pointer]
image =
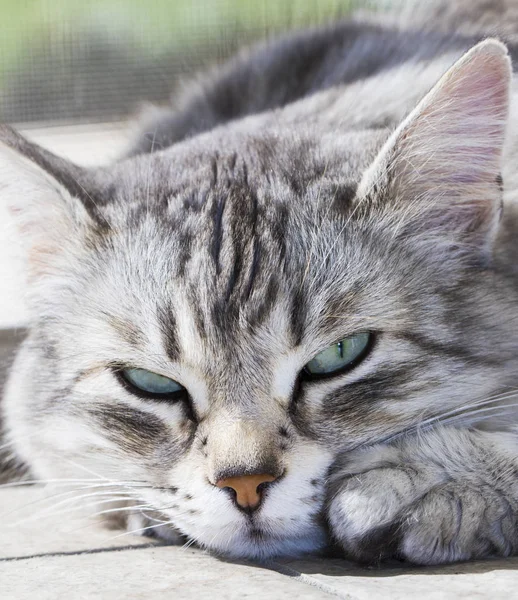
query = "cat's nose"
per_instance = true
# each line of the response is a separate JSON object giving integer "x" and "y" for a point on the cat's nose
{"x": 248, "y": 489}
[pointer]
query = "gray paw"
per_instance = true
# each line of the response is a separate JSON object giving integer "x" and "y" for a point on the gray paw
{"x": 420, "y": 517}
{"x": 455, "y": 522}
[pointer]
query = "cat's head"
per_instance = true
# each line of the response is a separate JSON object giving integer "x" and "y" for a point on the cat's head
{"x": 214, "y": 323}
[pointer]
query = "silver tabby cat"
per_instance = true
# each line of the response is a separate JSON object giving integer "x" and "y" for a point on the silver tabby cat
{"x": 288, "y": 318}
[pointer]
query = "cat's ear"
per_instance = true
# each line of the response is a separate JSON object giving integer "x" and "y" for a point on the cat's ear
{"x": 439, "y": 174}
{"x": 48, "y": 198}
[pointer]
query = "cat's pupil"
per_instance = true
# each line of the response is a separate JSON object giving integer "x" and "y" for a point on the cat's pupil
{"x": 341, "y": 356}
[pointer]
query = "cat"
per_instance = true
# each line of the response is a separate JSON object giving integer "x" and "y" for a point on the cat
{"x": 286, "y": 320}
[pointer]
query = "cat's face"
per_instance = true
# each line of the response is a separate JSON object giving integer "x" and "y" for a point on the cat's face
{"x": 228, "y": 272}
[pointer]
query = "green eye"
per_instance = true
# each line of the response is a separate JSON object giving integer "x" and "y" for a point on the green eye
{"x": 340, "y": 357}
{"x": 151, "y": 384}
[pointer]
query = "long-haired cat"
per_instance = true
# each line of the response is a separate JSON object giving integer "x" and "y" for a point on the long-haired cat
{"x": 288, "y": 317}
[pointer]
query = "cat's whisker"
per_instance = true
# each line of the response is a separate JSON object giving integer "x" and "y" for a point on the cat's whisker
{"x": 158, "y": 510}
{"x": 48, "y": 510}
{"x": 464, "y": 411}
{"x": 485, "y": 412}
{"x": 122, "y": 499}
{"x": 470, "y": 408}
{"x": 139, "y": 530}
{"x": 130, "y": 491}
{"x": 43, "y": 482}
{"x": 148, "y": 178}
{"x": 82, "y": 507}
{"x": 92, "y": 472}
{"x": 66, "y": 501}
{"x": 81, "y": 467}
{"x": 10, "y": 444}
{"x": 475, "y": 403}
{"x": 216, "y": 536}
{"x": 494, "y": 416}
{"x": 91, "y": 199}
{"x": 159, "y": 523}
{"x": 465, "y": 416}
{"x": 93, "y": 516}
{"x": 68, "y": 494}
{"x": 44, "y": 499}
{"x": 190, "y": 542}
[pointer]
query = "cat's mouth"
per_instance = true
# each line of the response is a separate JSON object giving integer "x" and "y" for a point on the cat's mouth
{"x": 262, "y": 537}
{"x": 254, "y": 537}
{"x": 259, "y": 542}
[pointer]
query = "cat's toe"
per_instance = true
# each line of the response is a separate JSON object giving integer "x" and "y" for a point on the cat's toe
{"x": 390, "y": 513}
{"x": 454, "y": 522}
{"x": 365, "y": 512}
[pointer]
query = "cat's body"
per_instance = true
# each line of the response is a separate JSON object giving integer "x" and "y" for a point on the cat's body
{"x": 299, "y": 199}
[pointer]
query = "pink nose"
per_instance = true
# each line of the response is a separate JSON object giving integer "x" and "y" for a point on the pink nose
{"x": 248, "y": 493}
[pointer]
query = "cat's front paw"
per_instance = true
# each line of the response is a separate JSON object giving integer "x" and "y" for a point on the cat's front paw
{"x": 456, "y": 522}
{"x": 415, "y": 510}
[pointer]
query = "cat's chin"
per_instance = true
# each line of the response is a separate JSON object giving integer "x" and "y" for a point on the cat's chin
{"x": 271, "y": 547}
{"x": 261, "y": 545}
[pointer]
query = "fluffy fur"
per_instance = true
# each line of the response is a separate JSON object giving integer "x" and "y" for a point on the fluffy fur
{"x": 355, "y": 178}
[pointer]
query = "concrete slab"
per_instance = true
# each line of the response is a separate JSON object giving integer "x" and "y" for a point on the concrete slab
{"x": 494, "y": 579}
{"x": 147, "y": 573}
{"x": 48, "y": 556}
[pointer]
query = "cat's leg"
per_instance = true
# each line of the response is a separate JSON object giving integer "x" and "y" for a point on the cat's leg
{"x": 148, "y": 526}
{"x": 438, "y": 497}
{"x": 143, "y": 524}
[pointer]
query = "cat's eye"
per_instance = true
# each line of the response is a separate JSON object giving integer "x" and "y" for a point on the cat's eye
{"x": 340, "y": 357}
{"x": 150, "y": 384}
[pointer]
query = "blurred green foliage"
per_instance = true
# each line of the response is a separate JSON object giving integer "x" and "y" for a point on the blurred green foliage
{"x": 157, "y": 23}
{"x": 68, "y": 59}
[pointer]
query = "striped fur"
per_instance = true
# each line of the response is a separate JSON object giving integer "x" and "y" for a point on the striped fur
{"x": 333, "y": 182}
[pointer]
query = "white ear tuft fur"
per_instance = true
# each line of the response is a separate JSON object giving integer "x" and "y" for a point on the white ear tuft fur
{"x": 47, "y": 216}
{"x": 442, "y": 165}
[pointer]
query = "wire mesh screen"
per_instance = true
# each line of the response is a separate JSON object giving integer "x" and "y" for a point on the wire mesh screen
{"x": 96, "y": 60}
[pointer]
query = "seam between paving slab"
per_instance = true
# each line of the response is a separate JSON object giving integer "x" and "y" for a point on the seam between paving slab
{"x": 272, "y": 566}
{"x": 80, "y": 552}
{"x": 308, "y": 580}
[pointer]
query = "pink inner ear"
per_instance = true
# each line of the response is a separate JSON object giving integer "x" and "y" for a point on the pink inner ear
{"x": 449, "y": 150}
{"x": 440, "y": 169}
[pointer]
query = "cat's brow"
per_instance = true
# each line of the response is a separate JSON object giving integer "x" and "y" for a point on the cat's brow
{"x": 126, "y": 329}
{"x": 169, "y": 331}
